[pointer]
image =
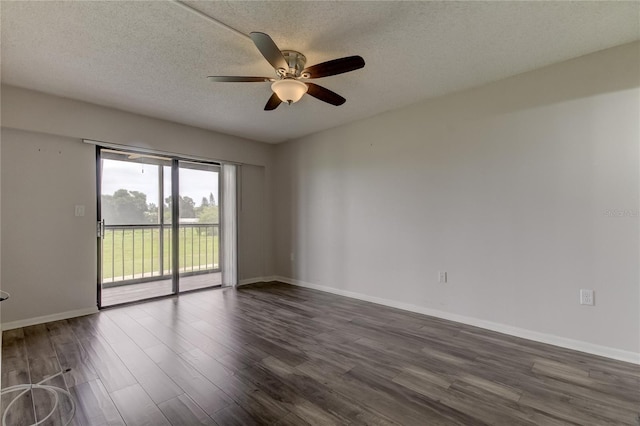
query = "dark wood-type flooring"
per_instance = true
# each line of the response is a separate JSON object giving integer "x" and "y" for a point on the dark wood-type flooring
{"x": 275, "y": 354}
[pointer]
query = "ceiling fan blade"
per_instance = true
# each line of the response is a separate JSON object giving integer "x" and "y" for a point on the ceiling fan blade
{"x": 336, "y": 66}
{"x": 269, "y": 50}
{"x": 238, "y": 79}
{"x": 325, "y": 94}
{"x": 273, "y": 103}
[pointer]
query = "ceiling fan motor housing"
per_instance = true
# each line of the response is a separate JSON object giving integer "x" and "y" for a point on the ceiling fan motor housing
{"x": 296, "y": 61}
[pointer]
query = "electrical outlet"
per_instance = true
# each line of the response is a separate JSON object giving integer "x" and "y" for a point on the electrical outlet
{"x": 442, "y": 277}
{"x": 79, "y": 210}
{"x": 587, "y": 297}
{"x": 292, "y": 257}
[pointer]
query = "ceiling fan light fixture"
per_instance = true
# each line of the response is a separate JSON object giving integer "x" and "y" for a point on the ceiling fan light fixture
{"x": 289, "y": 66}
{"x": 289, "y": 90}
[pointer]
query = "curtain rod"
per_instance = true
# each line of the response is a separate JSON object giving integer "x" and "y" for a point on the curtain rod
{"x": 160, "y": 152}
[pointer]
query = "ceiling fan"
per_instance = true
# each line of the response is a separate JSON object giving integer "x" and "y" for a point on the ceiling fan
{"x": 288, "y": 85}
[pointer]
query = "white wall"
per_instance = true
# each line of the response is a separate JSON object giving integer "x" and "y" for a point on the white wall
{"x": 49, "y": 255}
{"x": 506, "y": 187}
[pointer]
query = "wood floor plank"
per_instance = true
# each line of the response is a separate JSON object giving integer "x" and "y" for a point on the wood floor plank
{"x": 185, "y": 330}
{"x": 137, "y": 408}
{"x": 234, "y": 415}
{"x": 207, "y": 366}
{"x": 343, "y": 408}
{"x": 414, "y": 404}
{"x": 71, "y": 355}
{"x": 15, "y": 371}
{"x": 151, "y": 377}
{"x": 21, "y": 411}
{"x": 255, "y": 401}
{"x": 94, "y": 406}
{"x": 168, "y": 311}
{"x": 82, "y": 328}
{"x": 273, "y": 354}
{"x": 110, "y": 369}
{"x": 485, "y": 410}
{"x": 492, "y": 387}
{"x": 227, "y": 339}
{"x": 153, "y": 380}
{"x": 14, "y": 355}
{"x": 143, "y": 338}
{"x": 44, "y": 368}
{"x": 424, "y": 384}
{"x": 288, "y": 395}
{"x": 183, "y": 411}
{"x": 165, "y": 334}
{"x": 291, "y": 420}
{"x": 207, "y": 395}
{"x": 42, "y": 358}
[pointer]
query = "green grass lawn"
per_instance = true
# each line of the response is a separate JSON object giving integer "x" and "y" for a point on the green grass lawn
{"x": 141, "y": 249}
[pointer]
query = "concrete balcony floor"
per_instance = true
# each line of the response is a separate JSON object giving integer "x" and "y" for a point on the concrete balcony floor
{"x": 134, "y": 292}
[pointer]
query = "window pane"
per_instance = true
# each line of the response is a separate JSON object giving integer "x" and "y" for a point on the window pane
{"x": 129, "y": 193}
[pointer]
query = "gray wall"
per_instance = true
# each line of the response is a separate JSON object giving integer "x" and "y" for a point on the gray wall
{"x": 252, "y": 235}
{"x": 49, "y": 255}
{"x": 506, "y": 187}
{"x": 0, "y": 243}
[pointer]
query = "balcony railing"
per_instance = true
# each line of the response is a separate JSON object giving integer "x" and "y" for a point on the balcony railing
{"x": 137, "y": 253}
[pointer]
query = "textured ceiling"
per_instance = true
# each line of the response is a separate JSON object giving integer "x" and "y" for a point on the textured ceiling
{"x": 153, "y": 57}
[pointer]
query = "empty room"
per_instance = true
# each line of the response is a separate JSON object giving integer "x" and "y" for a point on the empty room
{"x": 320, "y": 213}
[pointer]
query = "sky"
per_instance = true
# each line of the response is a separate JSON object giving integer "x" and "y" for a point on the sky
{"x": 144, "y": 178}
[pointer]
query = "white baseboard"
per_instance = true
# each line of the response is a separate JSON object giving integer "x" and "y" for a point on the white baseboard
{"x": 87, "y": 311}
{"x": 257, "y": 280}
{"x": 591, "y": 348}
{"x": 48, "y": 318}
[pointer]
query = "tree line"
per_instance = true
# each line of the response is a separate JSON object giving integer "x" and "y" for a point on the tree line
{"x": 126, "y": 207}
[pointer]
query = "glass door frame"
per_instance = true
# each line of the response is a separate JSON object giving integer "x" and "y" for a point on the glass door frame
{"x": 175, "y": 218}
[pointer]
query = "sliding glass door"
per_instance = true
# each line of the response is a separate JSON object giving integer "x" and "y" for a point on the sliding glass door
{"x": 199, "y": 230}
{"x": 142, "y": 251}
